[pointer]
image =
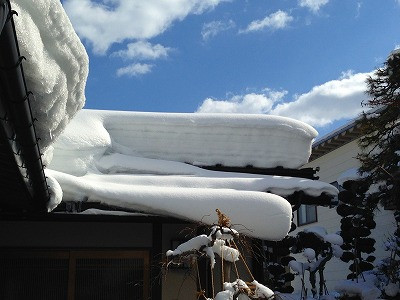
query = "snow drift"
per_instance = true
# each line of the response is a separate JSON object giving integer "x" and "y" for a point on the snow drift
{"x": 137, "y": 161}
{"x": 56, "y": 65}
{"x": 200, "y": 139}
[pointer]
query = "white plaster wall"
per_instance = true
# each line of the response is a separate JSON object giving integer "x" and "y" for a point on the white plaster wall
{"x": 332, "y": 165}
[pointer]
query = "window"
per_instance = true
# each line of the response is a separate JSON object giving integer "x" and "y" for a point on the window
{"x": 306, "y": 214}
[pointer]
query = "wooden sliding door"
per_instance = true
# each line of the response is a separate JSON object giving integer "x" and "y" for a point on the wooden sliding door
{"x": 74, "y": 275}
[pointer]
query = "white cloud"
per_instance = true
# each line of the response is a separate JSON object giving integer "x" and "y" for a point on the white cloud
{"x": 213, "y": 28}
{"x": 143, "y": 50}
{"x": 276, "y": 20}
{"x": 328, "y": 102}
{"x": 105, "y": 22}
{"x": 313, "y": 5}
{"x": 250, "y": 103}
{"x": 135, "y": 69}
{"x": 322, "y": 105}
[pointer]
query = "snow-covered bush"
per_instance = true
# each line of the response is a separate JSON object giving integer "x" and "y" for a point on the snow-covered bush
{"x": 388, "y": 269}
{"x": 357, "y": 221}
{"x": 318, "y": 247}
{"x": 220, "y": 240}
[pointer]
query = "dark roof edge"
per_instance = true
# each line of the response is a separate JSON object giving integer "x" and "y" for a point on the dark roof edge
{"x": 336, "y": 132}
{"x": 18, "y": 104}
{"x": 344, "y": 128}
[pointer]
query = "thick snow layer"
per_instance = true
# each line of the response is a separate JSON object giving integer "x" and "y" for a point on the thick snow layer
{"x": 95, "y": 211}
{"x": 226, "y": 252}
{"x": 203, "y": 242}
{"x": 56, "y": 193}
{"x": 258, "y": 214}
{"x": 200, "y": 139}
{"x": 56, "y": 65}
{"x": 193, "y": 244}
{"x": 137, "y": 161}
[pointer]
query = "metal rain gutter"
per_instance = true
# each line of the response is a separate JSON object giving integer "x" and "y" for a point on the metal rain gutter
{"x": 17, "y": 104}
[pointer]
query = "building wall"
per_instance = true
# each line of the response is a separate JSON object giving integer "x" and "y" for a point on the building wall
{"x": 91, "y": 235}
{"x": 332, "y": 165}
{"x": 36, "y": 234}
{"x": 177, "y": 283}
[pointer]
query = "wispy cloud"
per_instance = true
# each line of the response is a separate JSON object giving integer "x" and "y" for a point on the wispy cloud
{"x": 213, "y": 28}
{"x": 276, "y": 20}
{"x": 135, "y": 69}
{"x": 105, "y": 22}
{"x": 313, "y": 5}
{"x": 322, "y": 105}
{"x": 358, "y": 9}
{"x": 143, "y": 50}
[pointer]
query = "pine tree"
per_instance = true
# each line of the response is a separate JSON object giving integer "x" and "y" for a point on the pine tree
{"x": 380, "y": 159}
{"x": 380, "y": 143}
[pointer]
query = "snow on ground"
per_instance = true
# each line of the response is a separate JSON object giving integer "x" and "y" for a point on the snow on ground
{"x": 56, "y": 65}
{"x": 366, "y": 290}
{"x": 105, "y": 156}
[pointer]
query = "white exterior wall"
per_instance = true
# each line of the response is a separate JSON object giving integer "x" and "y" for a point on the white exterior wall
{"x": 332, "y": 165}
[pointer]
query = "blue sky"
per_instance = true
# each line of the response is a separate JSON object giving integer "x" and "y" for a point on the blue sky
{"x": 305, "y": 59}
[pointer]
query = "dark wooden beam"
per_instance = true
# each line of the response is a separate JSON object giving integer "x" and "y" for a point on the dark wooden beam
{"x": 278, "y": 171}
{"x": 156, "y": 263}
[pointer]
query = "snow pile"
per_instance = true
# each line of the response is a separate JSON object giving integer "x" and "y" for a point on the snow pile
{"x": 200, "y": 139}
{"x": 56, "y": 65}
{"x": 366, "y": 290}
{"x": 56, "y": 193}
{"x": 213, "y": 243}
{"x": 262, "y": 291}
{"x": 261, "y": 215}
{"x": 314, "y": 261}
{"x": 219, "y": 235}
{"x": 309, "y": 253}
{"x": 108, "y": 157}
{"x": 238, "y": 289}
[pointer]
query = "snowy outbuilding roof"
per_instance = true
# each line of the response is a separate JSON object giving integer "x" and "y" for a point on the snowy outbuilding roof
{"x": 146, "y": 162}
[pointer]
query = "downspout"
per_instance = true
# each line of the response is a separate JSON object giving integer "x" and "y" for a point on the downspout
{"x": 17, "y": 103}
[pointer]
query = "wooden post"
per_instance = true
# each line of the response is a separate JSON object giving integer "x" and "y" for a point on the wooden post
{"x": 156, "y": 260}
{"x": 227, "y": 271}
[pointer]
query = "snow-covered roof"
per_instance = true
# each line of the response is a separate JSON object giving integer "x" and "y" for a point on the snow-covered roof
{"x": 200, "y": 139}
{"x": 138, "y": 161}
{"x": 56, "y": 65}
